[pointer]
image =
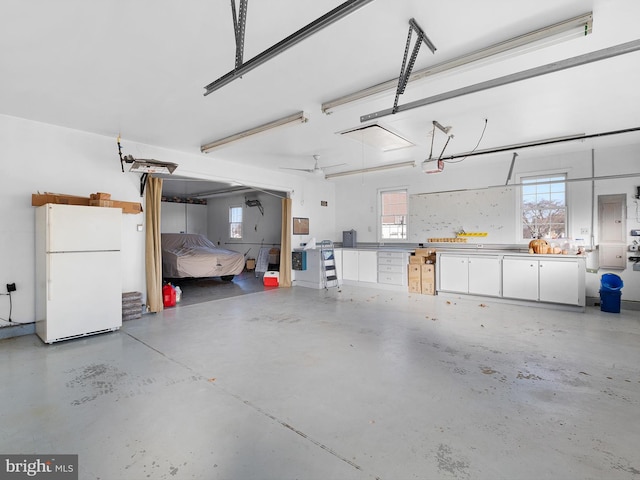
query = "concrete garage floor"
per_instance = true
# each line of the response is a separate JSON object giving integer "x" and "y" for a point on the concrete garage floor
{"x": 198, "y": 290}
{"x": 352, "y": 384}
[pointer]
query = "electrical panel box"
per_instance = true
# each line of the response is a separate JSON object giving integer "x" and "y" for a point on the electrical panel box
{"x": 299, "y": 260}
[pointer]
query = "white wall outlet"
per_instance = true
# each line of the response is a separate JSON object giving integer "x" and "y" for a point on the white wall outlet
{"x": 139, "y": 227}
{"x": 584, "y": 231}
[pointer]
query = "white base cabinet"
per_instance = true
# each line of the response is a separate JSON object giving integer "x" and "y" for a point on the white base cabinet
{"x": 485, "y": 276}
{"x": 454, "y": 273}
{"x": 350, "y": 265}
{"x": 520, "y": 278}
{"x": 555, "y": 279}
{"x": 360, "y": 265}
{"x": 478, "y": 275}
{"x": 561, "y": 282}
{"x": 548, "y": 280}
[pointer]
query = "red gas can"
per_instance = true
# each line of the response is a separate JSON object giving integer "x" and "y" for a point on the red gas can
{"x": 169, "y": 296}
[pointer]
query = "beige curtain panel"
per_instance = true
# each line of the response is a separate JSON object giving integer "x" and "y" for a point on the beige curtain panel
{"x": 153, "y": 251}
{"x": 285, "y": 244}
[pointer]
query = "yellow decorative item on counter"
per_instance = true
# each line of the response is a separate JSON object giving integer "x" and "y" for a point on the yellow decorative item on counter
{"x": 472, "y": 234}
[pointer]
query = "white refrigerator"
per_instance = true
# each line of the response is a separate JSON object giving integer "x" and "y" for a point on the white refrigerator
{"x": 78, "y": 271}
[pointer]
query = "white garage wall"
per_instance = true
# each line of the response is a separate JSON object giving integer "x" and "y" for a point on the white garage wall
{"x": 42, "y": 158}
{"x": 183, "y": 218}
{"x": 257, "y": 229}
{"x": 37, "y": 157}
{"x": 357, "y": 195}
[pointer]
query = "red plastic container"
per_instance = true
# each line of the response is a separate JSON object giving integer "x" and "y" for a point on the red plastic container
{"x": 169, "y": 296}
{"x": 271, "y": 279}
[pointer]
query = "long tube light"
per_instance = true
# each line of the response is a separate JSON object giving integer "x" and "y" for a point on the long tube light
{"x": 598, "y": 55}
{"x": 567, "y": 29}
{"x": 291, "y": 119}
{"x": 327, "y": 19}
{"x": 371, "y": 169}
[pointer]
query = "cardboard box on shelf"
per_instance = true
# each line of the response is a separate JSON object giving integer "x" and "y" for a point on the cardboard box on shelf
{"x": 127, "y": 207}
{"x": 414, "y": 286}
{"x": 413, "y": 271}
{"x": 428, "y": 271}
{"x": 101, "y": 203}
{"x": 422, "y": 278}
{"x": 416, "y": 259}
{"x": 413, "y": 278}
{"x": 428, "y": 289}
{"x": 251, "y": 263}
{"x": 38, "y": 199}
{"x": 428, "y": 254}
{"x": 428, "y": 279}
{"x": 100, "y": 196}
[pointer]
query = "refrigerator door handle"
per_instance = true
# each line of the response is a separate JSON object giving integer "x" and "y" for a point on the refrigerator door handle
{"x": 48, "y": 229}
{"x": 48, "y": 279}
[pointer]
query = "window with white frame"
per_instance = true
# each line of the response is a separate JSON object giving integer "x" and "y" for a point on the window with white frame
{"x": 543, "y": 206}
{"x": 393, "y": 214}
{"x": 235, "y": 222}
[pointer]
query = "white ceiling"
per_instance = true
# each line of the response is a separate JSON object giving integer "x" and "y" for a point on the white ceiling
{"x": 139, "y": 67}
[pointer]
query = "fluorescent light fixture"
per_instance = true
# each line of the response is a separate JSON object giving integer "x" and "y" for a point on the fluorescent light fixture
{"x": 378, "y": 136}
{"x": 152, "y": 166}
{"x": 232, "y": 190}
{"x": 388, "y": 166}
{"x": 291, "y": 119}
{"x": 572, "y": 28}
{"x": 558, "y": 66}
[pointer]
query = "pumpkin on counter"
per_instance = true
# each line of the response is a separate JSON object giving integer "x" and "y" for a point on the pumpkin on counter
{"x": 539, "y": 245}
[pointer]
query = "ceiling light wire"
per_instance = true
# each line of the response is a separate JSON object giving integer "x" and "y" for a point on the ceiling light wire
{"x": 474, "y": 148}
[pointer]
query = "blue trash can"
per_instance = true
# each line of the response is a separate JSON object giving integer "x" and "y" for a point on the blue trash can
{"x": 610, "y": 293}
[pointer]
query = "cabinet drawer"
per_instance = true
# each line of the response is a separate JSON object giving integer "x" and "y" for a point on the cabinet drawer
{"x": 391, "y": 254}
{"x": 391, "y": 278}
{"x": 390, "y": 269}
{"x": 391, "y": 259}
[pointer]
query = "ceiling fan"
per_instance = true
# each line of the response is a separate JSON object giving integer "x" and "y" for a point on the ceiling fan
{"x": 316, "y": 170}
